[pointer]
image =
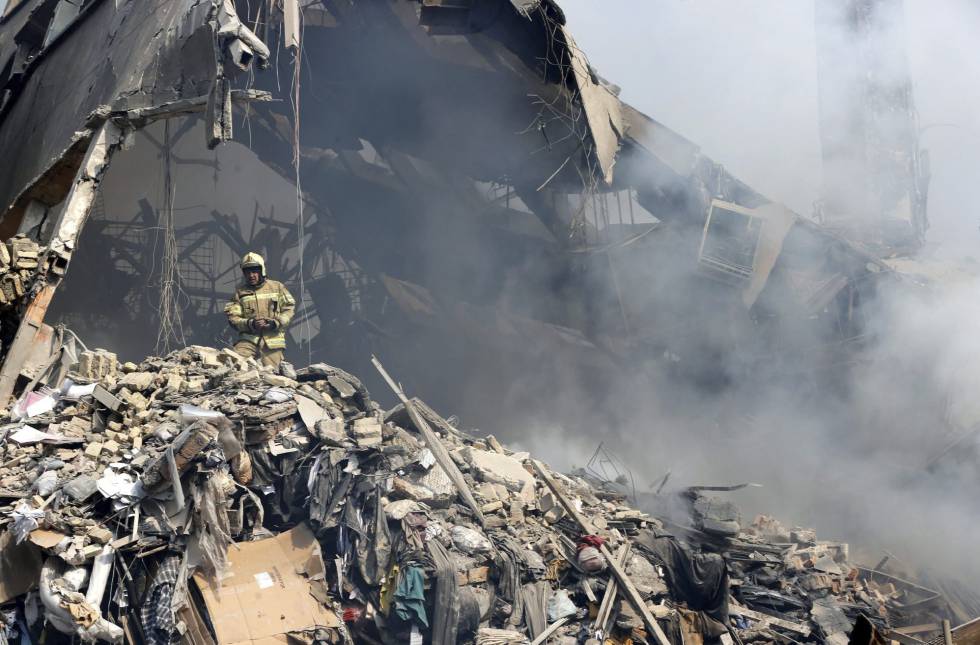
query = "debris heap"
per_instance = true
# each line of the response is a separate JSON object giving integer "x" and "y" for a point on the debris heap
{"x": 203, "y": 498}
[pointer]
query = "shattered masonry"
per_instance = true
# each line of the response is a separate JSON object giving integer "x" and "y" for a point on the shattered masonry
{"x": 240, "y": 504}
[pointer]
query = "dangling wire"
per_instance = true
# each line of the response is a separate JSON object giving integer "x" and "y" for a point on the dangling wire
{"x": 171, "y": 329}
{"x": 300, "y": 220}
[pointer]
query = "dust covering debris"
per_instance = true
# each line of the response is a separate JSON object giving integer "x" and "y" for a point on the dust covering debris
{"x": 200, "y": 497}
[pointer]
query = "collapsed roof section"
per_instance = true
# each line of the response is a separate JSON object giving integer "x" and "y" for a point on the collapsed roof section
{"x": 408, "y": 116}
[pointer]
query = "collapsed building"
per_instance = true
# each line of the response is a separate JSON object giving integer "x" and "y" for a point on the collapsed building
{"x": 456, "y": 171}
{"x": 433, "y": 179}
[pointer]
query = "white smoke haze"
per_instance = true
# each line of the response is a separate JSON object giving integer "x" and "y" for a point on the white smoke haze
{"x": 857, "y": 461}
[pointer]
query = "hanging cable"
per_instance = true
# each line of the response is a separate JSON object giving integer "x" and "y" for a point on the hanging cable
{"x": 170, "y": 332}
{"x": 300, "y": 220}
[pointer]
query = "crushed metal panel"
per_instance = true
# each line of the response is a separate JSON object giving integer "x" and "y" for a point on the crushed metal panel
{"x": 603, "y": 111}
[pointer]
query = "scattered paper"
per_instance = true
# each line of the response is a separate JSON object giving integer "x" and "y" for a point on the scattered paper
{"x": 120, "y": 486}
{"x": 27, "y": 434}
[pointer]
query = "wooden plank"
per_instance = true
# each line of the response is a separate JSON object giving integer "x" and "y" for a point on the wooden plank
{"x": 919, "y": 629}
{"x": 609, "y": 597}
{"x": 799, "y": 628}
{"x": 624, "y": 581}
{"x": 433, "y": 443}
{"x": 551, "y": 630}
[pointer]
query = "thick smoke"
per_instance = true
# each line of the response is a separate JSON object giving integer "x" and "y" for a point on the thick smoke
{"x": 886, "y": 459}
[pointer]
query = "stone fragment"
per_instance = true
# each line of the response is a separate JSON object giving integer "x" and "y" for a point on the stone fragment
{"x": 404, "y": 489}
{"x": 343, "y": 388}
{"x": 100, "y": 534}
{"x": 139, "y": 381}
{"x": 331, "y": 431}
{"x": 277, "y": 380}
{"x": 366, "y": 432}
{"x": 492, "y": 507}
{"x": 499, "y": 469}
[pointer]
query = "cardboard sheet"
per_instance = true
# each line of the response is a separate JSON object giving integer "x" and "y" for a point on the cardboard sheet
{"x": 267, "y": 590}
{"x": 20, "y": 567}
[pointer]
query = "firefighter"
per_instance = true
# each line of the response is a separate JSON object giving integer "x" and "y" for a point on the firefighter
{"x": 260, "y": 311}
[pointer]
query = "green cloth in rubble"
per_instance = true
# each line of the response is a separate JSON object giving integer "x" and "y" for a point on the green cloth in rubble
{"x": 410, "y": 596}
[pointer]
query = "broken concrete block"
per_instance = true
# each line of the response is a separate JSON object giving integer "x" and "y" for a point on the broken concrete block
{"x": 516, "y": 515}
{"x": 91, "y": 551}
{"x": 276, "y": 380}
{"x": 331, "y": 431}
{"x": 100, "y": 534}
{"x": 93, "y": 449}
{"x": 802, "y": 536}
{"x": 136, "y": 400}
{"x": 107, "y": 399}
{"x": 497, "y": 468}
{"x": 243, "y": 377}
{"x": 23, "y": 253}
{"x": 492, "y": 507}
{"x": 404, "y": 489}
{"x": 644, "y": 575}
{"x": 366, "y": 432}
{"x": 96, "y": 365}
{"x": 343, "y": 388}
{"x": 138, "y": 381}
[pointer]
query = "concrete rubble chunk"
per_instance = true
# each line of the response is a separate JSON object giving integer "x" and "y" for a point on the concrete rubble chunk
{"x": 404, "y": 489}
{"x": 500, "y": 469}
{"x": 138, "y": 381}
{"x": 366, "y": 432}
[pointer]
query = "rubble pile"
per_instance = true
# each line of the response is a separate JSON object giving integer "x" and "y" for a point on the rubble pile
{"x": 202, "y": 498}
{"x": 22, "y": 262}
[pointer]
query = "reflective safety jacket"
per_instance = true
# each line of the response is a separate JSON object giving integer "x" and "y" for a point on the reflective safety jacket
{"x": 269, "y": 300}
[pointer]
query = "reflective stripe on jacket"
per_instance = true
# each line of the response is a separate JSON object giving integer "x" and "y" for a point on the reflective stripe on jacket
{"x": 269, "y": 300}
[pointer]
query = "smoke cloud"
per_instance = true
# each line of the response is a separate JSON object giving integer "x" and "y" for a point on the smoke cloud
{"x": 887, "y": 459}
